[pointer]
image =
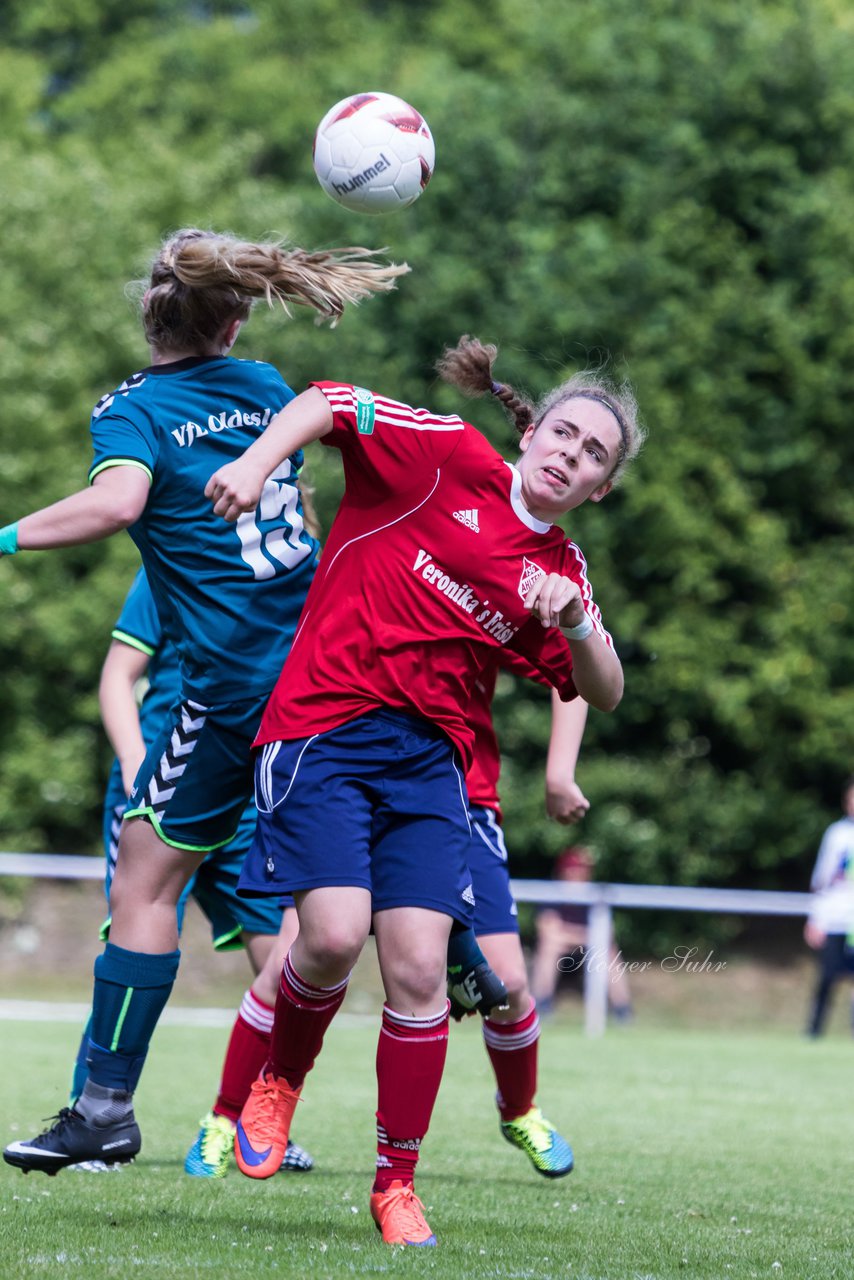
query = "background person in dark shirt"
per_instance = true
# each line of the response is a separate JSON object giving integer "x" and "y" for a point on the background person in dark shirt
{"x": 564, "y": 931}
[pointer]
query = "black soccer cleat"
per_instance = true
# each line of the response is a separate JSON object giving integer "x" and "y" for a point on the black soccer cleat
{"x": 73, "y": 1140}
{"x": 297, "y": 1159}
{"x": 476, "y": 990}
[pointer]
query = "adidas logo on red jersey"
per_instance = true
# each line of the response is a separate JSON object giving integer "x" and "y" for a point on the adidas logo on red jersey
{"x": 469, "y": 519}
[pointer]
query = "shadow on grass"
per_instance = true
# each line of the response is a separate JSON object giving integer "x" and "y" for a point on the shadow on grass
{"x": 324, "y": 1173}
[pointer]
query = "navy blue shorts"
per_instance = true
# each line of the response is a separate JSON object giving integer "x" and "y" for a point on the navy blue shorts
{"x": 377, "y": 803}
{"x": 494, "y": 906}
{"x": 196, "y": 779}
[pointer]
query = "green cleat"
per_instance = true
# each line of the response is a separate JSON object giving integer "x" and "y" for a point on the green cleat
{"x": 210, "y": 1155}
{"x": 549, "y": 1153}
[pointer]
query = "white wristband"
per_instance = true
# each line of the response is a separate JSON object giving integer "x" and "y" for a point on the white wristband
{"x": 581, "y": 632}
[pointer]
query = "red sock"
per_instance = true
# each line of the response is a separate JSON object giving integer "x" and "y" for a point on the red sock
{"x": 248, "y": 1050}
{"x": 512, "y": 1049}
{"x": 303, "y": 1012}
{"x": 410, "y": 1060}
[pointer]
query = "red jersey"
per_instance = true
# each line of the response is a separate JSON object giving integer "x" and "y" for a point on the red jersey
{"x": 424, "y": 575}
{"x": 482, "y": 777}
{"x": 485, "y": 768}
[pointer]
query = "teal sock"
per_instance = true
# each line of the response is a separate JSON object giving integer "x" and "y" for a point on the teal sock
{"x": 131, "y": 990}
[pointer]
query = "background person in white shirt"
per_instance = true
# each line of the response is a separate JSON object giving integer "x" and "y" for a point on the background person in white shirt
{"x": 829, "y": 930}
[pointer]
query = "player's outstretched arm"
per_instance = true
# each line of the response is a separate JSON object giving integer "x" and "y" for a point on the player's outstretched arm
{"x": 565, "y": 801}
{"x": 115, "y": 500}
{"x": 237, "y": 486}
{"x": 596, "y": 669}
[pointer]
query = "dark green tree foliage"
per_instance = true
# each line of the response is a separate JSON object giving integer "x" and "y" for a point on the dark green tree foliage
{"x": 667, "y": 183}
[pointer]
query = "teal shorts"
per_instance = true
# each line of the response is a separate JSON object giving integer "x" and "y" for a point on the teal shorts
{"x": 197, "y": 777}
{"x": 214, "y": 886}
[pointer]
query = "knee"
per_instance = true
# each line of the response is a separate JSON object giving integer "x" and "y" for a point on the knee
{"x": 419, "y": 977}
{"x": 127, "y": 890}
{"x": 519, "y": 998}
{"x": 515, "y": 980}
{"x": 330, "y": 945}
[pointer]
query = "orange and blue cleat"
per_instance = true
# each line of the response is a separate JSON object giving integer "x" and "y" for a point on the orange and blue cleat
{"x": 261, "y": 1137}
{"x": 399, "y": 1215}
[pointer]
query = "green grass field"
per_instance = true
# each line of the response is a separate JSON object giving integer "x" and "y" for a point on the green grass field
{"x": 698, "y": 1155}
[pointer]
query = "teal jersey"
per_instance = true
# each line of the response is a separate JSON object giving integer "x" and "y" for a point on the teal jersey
{"x": 229, "y": 595}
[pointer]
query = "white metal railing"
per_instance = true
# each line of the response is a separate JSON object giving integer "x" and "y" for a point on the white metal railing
{"x": 52, "y": 866}
{"x": 600, "y": 898}
{"x": 603, "y": 898}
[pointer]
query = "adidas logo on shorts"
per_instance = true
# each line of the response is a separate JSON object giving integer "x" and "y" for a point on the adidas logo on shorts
{"x": 469, "y": 519}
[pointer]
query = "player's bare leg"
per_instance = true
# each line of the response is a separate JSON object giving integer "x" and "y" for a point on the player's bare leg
{"x": 511, "y": 1036}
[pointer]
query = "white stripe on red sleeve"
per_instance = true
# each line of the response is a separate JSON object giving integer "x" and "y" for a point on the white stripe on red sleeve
{"x": 591, "y": 608}
{"x": 396, "y": 414}
{"x": 392, "y": 412}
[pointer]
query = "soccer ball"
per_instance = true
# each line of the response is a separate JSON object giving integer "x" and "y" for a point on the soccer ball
{"x": 373, "y": 153}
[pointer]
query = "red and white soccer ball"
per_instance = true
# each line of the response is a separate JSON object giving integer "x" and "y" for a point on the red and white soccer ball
{"x": 373, "y": 153}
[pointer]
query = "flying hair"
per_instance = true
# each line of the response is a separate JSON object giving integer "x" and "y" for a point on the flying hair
{"x": 201, "y": 280}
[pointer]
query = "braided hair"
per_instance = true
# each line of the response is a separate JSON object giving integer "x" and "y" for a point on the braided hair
{"x": 469, "y": 366}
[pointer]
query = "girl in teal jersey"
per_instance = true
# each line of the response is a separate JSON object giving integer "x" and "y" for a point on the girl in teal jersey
{"x": 229, "y": 595}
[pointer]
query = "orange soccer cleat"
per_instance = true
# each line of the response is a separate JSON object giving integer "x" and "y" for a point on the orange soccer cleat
{"x": 399, "y": 1215}
{"x": 261, "y": 1137}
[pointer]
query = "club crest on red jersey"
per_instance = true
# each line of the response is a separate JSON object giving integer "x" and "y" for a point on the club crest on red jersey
{"x": 531, "y": 573}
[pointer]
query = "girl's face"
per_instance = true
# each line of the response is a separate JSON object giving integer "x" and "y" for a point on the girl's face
{"x": 568, "y": 457}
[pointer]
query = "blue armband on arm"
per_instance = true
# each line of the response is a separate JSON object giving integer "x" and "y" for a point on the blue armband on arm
{"x": 9, "y": 539}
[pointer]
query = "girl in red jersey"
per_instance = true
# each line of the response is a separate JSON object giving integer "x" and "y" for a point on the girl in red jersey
{"x": 441, "y": 554}
{"x": 511, "y": 1033}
